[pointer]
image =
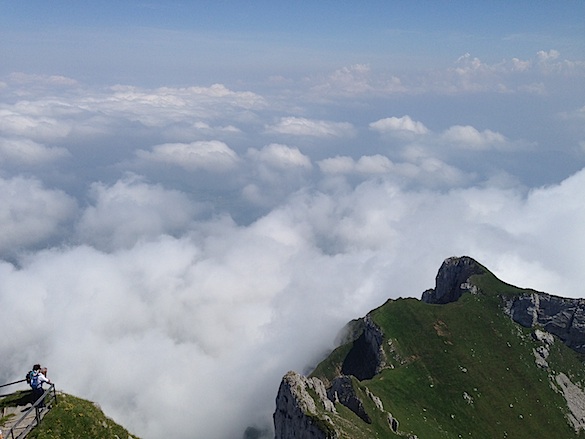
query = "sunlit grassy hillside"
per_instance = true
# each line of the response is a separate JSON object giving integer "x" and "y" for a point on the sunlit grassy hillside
{"x": 71, "y": 418}
{"x": 460, "y": 370}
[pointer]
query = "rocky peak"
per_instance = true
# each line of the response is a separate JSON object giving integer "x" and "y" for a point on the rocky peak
{"x": 452, "y": 280}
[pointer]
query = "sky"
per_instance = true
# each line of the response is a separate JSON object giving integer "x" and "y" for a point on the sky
{"x": 195, "y": 197}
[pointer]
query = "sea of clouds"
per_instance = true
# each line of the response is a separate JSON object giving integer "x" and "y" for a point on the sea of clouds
{"x": 170, "y": 253}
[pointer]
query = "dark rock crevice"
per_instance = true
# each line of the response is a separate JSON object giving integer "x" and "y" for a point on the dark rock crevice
{"x": 366, "y": 357}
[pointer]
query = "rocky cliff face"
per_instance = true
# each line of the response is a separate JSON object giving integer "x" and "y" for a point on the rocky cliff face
{"x": 559, "y": 316}
{"x": 304, "y": 407}
{"x": 297, "y": 411}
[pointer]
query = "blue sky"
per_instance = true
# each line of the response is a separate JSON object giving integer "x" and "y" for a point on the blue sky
{"x": 277, "y": 37}
{"x": 220, "y": 186}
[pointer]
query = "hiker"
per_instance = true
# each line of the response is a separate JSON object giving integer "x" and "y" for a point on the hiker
{"x": 37, "y": 378}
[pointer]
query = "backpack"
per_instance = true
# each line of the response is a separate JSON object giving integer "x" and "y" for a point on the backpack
{"x": 34, "y": 380}
{"x": 28, "y": 375}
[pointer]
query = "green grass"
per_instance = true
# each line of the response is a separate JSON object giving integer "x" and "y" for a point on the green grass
{"x": 74, "y": 418}
{"x": 467, "y": 371}
{"x": 69, "y": 418}
{"x": 331, "y": 367}
{"x": 5, "y": 419}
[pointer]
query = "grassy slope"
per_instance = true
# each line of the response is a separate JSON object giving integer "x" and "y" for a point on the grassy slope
{"x": 442, "y": 353}
{"x": 71, "y": 418}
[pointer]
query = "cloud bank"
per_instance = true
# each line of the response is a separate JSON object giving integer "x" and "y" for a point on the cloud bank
{"x": 171, "y": 252}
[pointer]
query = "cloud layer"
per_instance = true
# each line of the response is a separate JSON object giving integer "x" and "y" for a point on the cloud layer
{"x": 182, "y": 246}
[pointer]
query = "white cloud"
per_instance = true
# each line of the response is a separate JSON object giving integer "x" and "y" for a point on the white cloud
{"x": 31, "y": 214}
{"x": 544, "y": 56}
{"x": 376, "y": 164}
{"x": 185, "y": 114}
{"x": 212, "y": 155}
{"x": 23, "y": 120}
{"x": 350, "y": 80}
{"x": 132, "y": 210}
{"x": 29, "y": 152}
{"x": 281, "y": 156}
{"x": 337, "y": 165}
{"x": 158, "y": 107}
{"x": 470, "y": 74}
{"x": 468, "y": 137}
{"x": 300, "y": 126}
{"x": 428, "y": 156}
{"x": 242, "y": 304}
{"x": 423, "y": 165}
{"x": 419, "y": 167}
{"x": 277, "y": 170}
{"x": 399, "y": 125}
{"x": 520, "y": 65}
{"x": 357, "y": 80}
{"x": 231, "y": 274}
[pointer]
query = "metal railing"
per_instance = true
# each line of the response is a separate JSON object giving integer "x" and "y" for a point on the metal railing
{"x": 40, "y": 406}
{"x": 11, "y": 384}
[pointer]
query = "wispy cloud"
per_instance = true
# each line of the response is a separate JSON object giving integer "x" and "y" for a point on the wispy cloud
{"x": 399, "y": 126}
{"x": 213, "y": 155}
{"x": 300, "y": 126}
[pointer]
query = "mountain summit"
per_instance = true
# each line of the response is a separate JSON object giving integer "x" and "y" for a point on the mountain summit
{"x": 476, "y": 357}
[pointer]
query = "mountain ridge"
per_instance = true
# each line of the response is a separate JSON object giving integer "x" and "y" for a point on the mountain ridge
{"x": 456, "y": 363}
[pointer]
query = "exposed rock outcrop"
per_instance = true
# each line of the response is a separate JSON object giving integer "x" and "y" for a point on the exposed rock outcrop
{"x": 297, "y": 415}
{"x": 542, "y": 352}
{"x": 563, "y": 317}
{"x": 392, "y": 421}
{"x": 342, "y": 390}
{"x": 575, "y": 398}
{"x": 452, "y": 280}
